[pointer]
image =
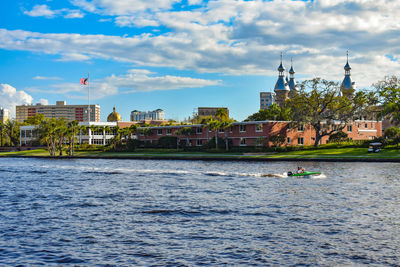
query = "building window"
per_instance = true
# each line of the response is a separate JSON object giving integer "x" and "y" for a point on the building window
{"x": 372, "y": 125}
{"x": 300, "y": 141}
{"x": 221, "y": 130}
{"x": 169, "y": 131}
{"x": 300, "y": 128}
{"x": 159, "y": 131}
{"x": 242, "y": 141}
{"x": 199, "y": 142}
{"x": 231, "y": 129}
{"x": 288, "y": 140}
{"x": 259, "y": 127}
{"x": 242, "y": 128}
{"x": 349, "y": 128}
{"x": 199, "y": 130}
{"x": 366, "y": 125}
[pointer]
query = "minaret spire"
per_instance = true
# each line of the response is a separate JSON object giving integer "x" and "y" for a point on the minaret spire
{"x": 281, "y": 87}
{"x": 292, "y": 82}
{"x": 347, "y": 87}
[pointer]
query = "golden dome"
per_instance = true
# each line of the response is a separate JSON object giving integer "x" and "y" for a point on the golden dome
{"x": 114, "y": 116}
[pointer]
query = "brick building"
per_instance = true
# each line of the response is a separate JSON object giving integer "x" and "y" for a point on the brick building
{"x": 258, "y": 133}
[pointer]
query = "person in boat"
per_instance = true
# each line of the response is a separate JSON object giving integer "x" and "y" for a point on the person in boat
{"x": 300, "y": 170}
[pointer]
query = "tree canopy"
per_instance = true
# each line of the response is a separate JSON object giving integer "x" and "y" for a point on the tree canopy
{"x": 273, "y": 112}
{"x": 388, "y": 91}
{"x": 320, "y": 105}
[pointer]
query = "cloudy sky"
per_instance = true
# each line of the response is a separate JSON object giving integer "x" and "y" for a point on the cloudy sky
{"x": 178, "y": 55}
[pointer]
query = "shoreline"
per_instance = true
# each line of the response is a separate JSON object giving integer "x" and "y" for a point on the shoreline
{"x": 212, "y": 158}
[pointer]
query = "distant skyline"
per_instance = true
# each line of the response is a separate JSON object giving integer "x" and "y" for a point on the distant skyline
{"x": 178, "y": 55}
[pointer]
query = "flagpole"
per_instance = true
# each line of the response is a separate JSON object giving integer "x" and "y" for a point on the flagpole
{"x": 88, "y": 98}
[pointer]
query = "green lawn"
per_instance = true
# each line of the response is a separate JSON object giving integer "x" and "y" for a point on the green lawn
{"x": 311, "y": 153}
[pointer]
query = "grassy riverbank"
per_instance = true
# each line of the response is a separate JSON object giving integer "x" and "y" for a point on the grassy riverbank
{"x": 328, "y": 153}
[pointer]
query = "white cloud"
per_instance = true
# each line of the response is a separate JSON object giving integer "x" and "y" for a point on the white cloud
{"x": 123, "y": 7}
{"x": 73, "y": 14}
{"x": 135, "y": 80}
{"x": 11, "y": 97}
{"x": 40, "y": 11}
{"x": 46, "y": 78}
{"x": 45, "y": 11}
{"x": 143, "y": 81}
{"x": 44, "y": 101}
{"x": 237, "y": 37}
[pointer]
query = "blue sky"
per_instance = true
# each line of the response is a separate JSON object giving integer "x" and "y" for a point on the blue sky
{"x": 178, "y": 55}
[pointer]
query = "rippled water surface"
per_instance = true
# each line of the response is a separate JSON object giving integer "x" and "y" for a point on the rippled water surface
{"x": 178, "y": 213}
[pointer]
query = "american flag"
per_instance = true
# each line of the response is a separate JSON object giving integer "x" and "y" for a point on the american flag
{"x": 84, "y": 81}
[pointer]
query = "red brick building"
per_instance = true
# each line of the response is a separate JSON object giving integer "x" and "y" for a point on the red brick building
{"x": 258, "y": 133}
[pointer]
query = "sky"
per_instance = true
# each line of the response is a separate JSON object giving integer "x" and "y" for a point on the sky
{"x": 178, "y": 55}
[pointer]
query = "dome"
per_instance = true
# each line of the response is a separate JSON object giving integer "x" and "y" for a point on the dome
{"x": 114, "y": 116}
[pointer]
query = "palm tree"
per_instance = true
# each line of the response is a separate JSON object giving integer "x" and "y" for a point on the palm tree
{"x": 2, "y": 127}
{"x": 214, "y": 125}
{"x": 205, "y": 122}
{"x": 73, "y": 127}
{"x": 132, "y": 129}
{"x": 225, "y": 124}
{"x": 47, "y": 134}
{"x": 185, "y": 131}
{"x": 61, "y": 130}
{"x": 221, "y": 114}
{"x": 12, "y": 131}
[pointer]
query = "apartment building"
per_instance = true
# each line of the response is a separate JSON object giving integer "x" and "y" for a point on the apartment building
{"x": 155, "y": 115}
{"x": 266, "y": 99}
{"x": 59, "y": 110}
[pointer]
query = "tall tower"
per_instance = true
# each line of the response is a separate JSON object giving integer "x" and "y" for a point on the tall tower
{"x": 281, "y": 87}
{"x": 292, "y": 82}
{"x": 347, "y": 87}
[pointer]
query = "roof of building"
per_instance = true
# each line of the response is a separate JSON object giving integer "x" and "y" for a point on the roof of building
{"x": 114, "y": 116}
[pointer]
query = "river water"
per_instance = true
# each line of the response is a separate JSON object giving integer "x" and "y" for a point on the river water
{"x": 185, "y": 213}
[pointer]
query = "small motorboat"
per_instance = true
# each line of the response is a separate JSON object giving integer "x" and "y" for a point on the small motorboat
{"x": 305, "y": 173}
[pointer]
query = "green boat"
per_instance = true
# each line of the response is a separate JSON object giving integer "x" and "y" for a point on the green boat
{"x": 306, "y": 173}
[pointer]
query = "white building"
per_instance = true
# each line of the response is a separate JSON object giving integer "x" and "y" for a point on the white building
{"x": 155, "y": 115}
{"x": 98, "y": 137}
{"x": 4, "y": 115}
{"x": 266, "y": 99}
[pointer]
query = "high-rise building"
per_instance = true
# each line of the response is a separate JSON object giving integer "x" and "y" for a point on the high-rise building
{"x": 266, "y": 99}
{"x": 59, "y": 110}
{"x": 155, "y": 115}
{"x": 4, "y": 115}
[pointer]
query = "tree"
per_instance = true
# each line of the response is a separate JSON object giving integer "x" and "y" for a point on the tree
{"x": 226, "y": 124}
{"x": 214, "y": 125}
{"x": 11, "y": 129}
{"x": 389, "y": 97}
{"x": 73, "y": 128}
{"x": 34, "y": 120}
{"x": 392, "y": 133}
{"x": 205, "y": 121}
{"x": 277, "y": 140}
{"x": 47, "y": 134}
{"x": 320, "y": 105}
{"x": 338, "y": 137}
{"x": 185, "y": 131}
{"x": 273, "y": 112}
{"x": 2, "y": 128}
